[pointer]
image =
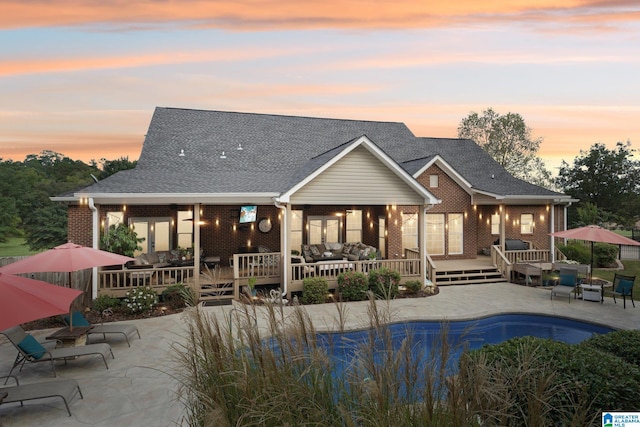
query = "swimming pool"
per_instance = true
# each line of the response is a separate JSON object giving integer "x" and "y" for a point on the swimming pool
{"x": 472, "y": 334}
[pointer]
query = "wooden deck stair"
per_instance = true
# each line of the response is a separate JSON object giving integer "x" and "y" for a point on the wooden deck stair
{"x": 467, "y": 273}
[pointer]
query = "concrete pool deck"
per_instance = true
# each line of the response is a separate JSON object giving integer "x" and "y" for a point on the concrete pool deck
{"x": 138, "y": 388}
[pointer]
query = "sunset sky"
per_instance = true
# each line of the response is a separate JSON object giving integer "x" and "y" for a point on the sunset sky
{"x": 82, "y": 77}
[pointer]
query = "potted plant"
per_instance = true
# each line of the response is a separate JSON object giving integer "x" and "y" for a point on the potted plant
{"x": 251, "y": 286}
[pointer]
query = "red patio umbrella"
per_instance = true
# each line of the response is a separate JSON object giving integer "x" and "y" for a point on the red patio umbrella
{"x": 65, "y": 258}
{"x": 594, "y": 233}
{"x": 23, "y": 300}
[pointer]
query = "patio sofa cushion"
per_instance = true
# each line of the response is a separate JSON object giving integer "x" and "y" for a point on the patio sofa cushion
{"x": 151, "y": 260}
{"x": 353, "y": 251}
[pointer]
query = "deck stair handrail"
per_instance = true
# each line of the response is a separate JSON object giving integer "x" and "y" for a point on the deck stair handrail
{"x": 501, "y": 261}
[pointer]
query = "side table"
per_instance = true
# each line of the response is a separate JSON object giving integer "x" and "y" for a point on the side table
{"x": 592, "y": 292}
{"x": 71, "y": 337}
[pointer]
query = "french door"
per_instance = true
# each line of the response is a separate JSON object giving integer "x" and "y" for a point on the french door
{"x": 324, "y": 229}
{"x": 156, "y": 233}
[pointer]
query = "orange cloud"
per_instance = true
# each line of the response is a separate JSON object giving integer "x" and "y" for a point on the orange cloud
{"x": 294, "y": 14}
{"x": 46, "y": 65}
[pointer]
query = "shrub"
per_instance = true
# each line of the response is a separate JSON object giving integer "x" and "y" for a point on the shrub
{"x": 140, "y": 300}
{"x": 413, "y": 286}
{"x": 576, "y": 251}
{"x": 353, "y": 286}
{"x": 384, "y": 282}
{"x": 314, "y": 290}
{"x": 177, "y": 296}
{"x": 624, "y": 344}
{"x": 104, "y": 302}
{"x": 604, "y": 255}
{"x": 583, "y": 373}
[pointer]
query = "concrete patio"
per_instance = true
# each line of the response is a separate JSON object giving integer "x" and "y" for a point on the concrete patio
{"x": 139, "y": 389}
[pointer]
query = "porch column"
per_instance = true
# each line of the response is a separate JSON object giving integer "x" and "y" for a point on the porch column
{"x": 503, "y": 214}
{"x": 285, "y": 235}
{"x": 196, "y": 247}
{"x": 422, "y": 242}
{"x": 95, "y": 219}
{"x": 552, "y": 226}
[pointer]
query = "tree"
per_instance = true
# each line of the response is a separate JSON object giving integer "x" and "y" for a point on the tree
{"x": 508, "y": 140}
{"x": 607, "y": 179}
{"x": 109, "y": 167}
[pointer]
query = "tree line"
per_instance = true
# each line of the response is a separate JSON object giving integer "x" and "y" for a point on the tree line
{"x": 606, "y": 181}
{"x": 25, "y": 188}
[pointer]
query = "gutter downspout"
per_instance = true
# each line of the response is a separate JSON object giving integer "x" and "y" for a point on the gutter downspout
{"x": 95, "y": 233}
{"x": 284, "y": 243}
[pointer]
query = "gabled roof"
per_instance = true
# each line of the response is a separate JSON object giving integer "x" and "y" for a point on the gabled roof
{"x": 472, "y": 163}
{"x": 216, "y": 153}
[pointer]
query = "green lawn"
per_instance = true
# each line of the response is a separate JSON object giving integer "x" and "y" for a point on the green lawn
{"x": 14, "y": 246}
{"x": 631, "y": 268}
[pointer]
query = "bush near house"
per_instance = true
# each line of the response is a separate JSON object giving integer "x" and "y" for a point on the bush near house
{"x": 104, "y": 302}
{"x": 384, "y": 282}
{"x": 624, "y": 344}
{"x": 579, "y": 374}
{"x": 413, "y": 286}
{"x": 314, "y": 290}
{"x": 353, "y": 286}
{"x": 604, "y": 254}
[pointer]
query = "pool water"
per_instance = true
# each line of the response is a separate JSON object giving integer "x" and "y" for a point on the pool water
{"x": 472, "y": 334}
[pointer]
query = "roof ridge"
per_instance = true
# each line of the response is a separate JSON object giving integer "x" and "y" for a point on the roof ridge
{"x": 281, "y": 115}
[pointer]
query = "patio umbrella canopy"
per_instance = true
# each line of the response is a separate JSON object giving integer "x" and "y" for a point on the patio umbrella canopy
{"x": 594, "y": 233}
{"x": 65, "y": 258}
{"x": 24, "y": 300}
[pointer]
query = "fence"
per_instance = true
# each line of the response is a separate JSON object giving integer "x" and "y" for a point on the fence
{"x": 79, "y": 279}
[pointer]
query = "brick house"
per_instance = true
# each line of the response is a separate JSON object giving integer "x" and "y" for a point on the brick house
{"x": 312, "y": 180}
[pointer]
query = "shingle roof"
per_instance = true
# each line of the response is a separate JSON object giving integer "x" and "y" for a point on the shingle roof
{"x": 280, "y": 151}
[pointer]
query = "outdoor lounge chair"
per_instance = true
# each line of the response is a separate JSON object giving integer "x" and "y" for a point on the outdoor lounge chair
{"x": 125, "y": 329}
{"x": 32, "y": 351}
{"x": 567, "y": 283}
{"x": 622, "y": 287}
{"x": 65, "y": 389}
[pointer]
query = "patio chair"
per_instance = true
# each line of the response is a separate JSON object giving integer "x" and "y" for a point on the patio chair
{"x": 32, "y": 351}
{"x": 622, "y": 287}
{"x": 124, "y": 329}
{"x": 567, "y": 283}
{"x": 65, "y": 389}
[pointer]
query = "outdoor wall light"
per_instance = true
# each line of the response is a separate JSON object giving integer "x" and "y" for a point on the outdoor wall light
{"x": 181, "y": 153}
{"x": 240, "y": 147}
{"x": 223, "y": 156}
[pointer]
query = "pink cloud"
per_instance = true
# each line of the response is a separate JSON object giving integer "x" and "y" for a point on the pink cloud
{"x": 294, "y": 14}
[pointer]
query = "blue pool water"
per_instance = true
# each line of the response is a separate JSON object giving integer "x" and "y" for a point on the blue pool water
{"x": 343, "y": 347}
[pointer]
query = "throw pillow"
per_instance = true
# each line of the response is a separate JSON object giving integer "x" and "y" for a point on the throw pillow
{"x": 32, "y": 347}
{"x": 315, "y": 251}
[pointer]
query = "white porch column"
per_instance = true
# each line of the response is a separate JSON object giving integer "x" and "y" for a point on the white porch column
{"x": 196, "y": 247}
{"x": 285, "y": 244}
{"x": 503, "y": 215}
{"x": 95, "y": 217}
{"x": 552, "y": 226}
{"x": 422, "y": 242}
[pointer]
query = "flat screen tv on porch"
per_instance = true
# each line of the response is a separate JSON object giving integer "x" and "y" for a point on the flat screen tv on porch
{"x": 248, "y": 214}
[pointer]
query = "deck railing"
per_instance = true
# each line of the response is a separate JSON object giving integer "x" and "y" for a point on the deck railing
{"x": 116, "y": 283}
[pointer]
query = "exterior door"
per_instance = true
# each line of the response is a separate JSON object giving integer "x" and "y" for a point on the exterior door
{"x": 156, "y": 233}
{"x": 324, "y": 229}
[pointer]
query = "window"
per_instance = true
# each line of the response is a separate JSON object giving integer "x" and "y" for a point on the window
{"x": 455, "y": 236}
{"x": 433, "y": 181}
{"x": 495, "y": 224}
{"x": 354, "y": 226}
{"x": 113, "y": 218}
{"x": 185, "y": 229}
{"x": 296, "y": 230}
{"x": 382, "y": 236}
{"x": 526, "y": 223}
{"x": 435, "y": 234}
{"x": 409, "y": 231}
